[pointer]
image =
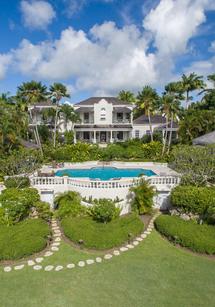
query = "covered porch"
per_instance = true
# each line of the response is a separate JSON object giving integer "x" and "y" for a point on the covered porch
{"x": 101, "y": 136}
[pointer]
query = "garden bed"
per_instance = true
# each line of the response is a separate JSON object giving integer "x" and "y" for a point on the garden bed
{"x": 23, "y": 239}
{"x": 102, "y": 236}
{"x": 198, "y": 238}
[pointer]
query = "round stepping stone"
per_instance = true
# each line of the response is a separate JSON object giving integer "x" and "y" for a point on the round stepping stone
{"x": 143, "y": 235}
{"x": 130, "y": 246}
{"x": 19, "y": 267}
{"x": 58, "y": 239}
{"x": 139, "y": 239}
{"x": 81, "y": 264}
{"x": 59, "y": 268}
{"x": 31, "y": 262}
{"x": 48, "y": 254}
{"x": 135, "y": 243}
{"x": 7, "y": 269}
{"x": 89, "y": 261}
{"x": 56, "y": 228}
{"x": 148, "y": 232}
{"x": 108, "y": 256}
{"x": 54, "y": 248}
{"x": 56, "y": 244}
{"x": 70, "y": 266}
{"x": 98, "y": 259}
{"x": 49, "y": 268}
{"x": 123, "y": 249}
{"x": 56, "y": 234}
{"x": 39, "y": 260}
{"x": 116, "y": 253}
{"x": 37, "y": 267}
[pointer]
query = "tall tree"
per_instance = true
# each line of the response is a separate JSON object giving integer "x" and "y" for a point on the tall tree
{"x": 29, "y": 93}
{"x": 57, "y": 92}
{"x": 127, "y": 96}
{"x": 69, "y": 115}
{"x": 148, "y": 101}
{"x": 166, "y": 102}
{"x": 191, "y": 83}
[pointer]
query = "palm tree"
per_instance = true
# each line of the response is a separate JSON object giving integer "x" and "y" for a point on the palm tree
{"x": 29, "y": 93}
{"x": 57, "y": 92}
{"x": 166, "y": 102}
{"x": 191, "y": 83}
{"x": 148, "y": 100}
{"x": 69, "y": 115}
{"x": 126, "y": 96}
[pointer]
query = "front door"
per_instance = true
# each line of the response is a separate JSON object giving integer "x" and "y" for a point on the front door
{"x": 103, "y": 137}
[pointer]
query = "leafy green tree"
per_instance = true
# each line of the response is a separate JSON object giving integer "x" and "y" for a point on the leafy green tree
{"x": 57, "y": 92}
{"x": 127, "y": 96}
{"x": 69, "y": 115}
{"x": 191, "y": 83}
{"x": 148, "y": 101}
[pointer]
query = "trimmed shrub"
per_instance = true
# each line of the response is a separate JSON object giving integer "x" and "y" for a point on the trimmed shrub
{"x": 102, "y": 235}
{"x": 16, "y": 204}
{"x": 198, "y": 238}
{"x": 43, "y": 210}
{"x": 23, "y": 239}
{"x": 193, "y": 199}
{"x": 17, "y": 182}
{"x": 69, "y": 204}
{"x": 143, "y": 198}
{"x": 104, "y": 211}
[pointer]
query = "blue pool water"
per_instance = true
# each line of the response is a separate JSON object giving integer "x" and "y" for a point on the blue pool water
{"x": 105, "y": 173}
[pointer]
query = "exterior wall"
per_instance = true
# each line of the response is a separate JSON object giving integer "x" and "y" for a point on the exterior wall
{"x": 142, "y": 129}
{"x": 100, "y": 113}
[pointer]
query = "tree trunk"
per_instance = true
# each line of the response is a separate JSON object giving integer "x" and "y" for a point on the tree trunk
{"x": 150, "y": 126}
{"x": 187, "y": 99}
{"x": 55, "y": 126}
{"x": 36, "y": 134}
{"x": 170, "y": 135}
{"x": 165, "y": 139}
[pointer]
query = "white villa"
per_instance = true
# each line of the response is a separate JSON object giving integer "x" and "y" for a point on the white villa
{"x": 104, "y": 120}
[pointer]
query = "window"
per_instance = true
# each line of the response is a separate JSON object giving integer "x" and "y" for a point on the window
{"x": 103, "y": 114}
{"x": 148, "y": 132}
{"x": 86, "y": 117}
{"x": 137, "y": 134}
{"x": 119, "y": 117}
{"x": 120, "y": 135}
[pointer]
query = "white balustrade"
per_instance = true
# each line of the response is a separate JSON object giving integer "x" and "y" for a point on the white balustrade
{"x": 157, "y": 181}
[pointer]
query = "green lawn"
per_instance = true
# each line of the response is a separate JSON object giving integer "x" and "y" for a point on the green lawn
{"x": 153, "y": 274}
{"x": 100, "y": 235}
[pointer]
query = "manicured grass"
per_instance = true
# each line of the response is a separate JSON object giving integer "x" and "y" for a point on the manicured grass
{"x": 99, "y": 235}
{"x": 23, "y": 239}
{"x": 154, "y": 274}
{"x": 198, "y": 238}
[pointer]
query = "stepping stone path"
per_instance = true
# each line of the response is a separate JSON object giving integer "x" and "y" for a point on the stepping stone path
{"x": 7, "y": 269}
{"x": 49, "y": 268}
{"x": 81, "y": 264}
{"x": 70, "y": 266}
{"x": 108, "y": 256}
{"x": 59, "y": 268}
{"x": 31, "y": 262}
{"x": 56, "y": 243}
{"x": 37, "y": 267}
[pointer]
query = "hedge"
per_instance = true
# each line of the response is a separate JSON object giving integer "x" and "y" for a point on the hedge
{"x": 100, "y": 235}
{"x": 23, "y": 239}
{"x": 198, "y": 238}
{"x": 17, "y": 182}
{"x": 193, "y": 199}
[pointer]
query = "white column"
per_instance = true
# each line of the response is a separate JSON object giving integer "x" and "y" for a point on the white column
{"x": 94, "y": 137}
{"x": 74, "y": 137}
{"x": 111, "y": 136}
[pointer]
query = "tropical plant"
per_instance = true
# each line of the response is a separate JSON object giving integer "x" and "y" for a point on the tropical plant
{"x": 127, "y": 96}
{"x": 57, "y": 92}
{"x": 69, "y": 115}
{"x": 148, "y": 100}
{"x": 191, "y": 83}
{"x": 143, "y": 197}
{"x": 104, "y": 210}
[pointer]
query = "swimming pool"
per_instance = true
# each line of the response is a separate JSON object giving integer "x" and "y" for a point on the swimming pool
{"x": 105, "y": 173}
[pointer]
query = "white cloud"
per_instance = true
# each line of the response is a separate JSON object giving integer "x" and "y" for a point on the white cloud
{"x": 5, "y": 60}
{"x": 202, "y": 67}
{"x": 37, "y": 14}
{"x": 174, "y": 22}
{"x": 212, "y": 47}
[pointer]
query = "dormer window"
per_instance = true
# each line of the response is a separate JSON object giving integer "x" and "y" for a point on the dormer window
{"x": 103, "y": 114}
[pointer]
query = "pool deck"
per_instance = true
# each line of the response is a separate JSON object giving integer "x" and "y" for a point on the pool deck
{"x": 161, "y": 169}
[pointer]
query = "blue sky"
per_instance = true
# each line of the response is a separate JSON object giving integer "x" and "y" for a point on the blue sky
{"x": 98, "y": 47}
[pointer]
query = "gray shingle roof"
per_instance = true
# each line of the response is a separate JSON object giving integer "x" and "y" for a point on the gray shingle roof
{"x": 155, "y": 119}
{"x": 205, "y": 139}
{"x": 93, "y": 100}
